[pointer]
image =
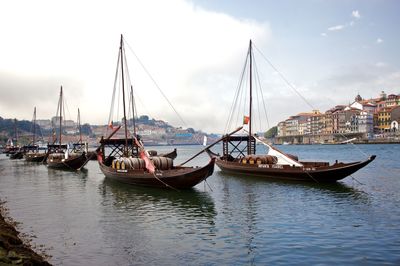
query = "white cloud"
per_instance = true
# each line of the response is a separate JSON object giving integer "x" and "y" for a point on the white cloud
{"x": 379, "y": 41}
{"x": 324, "y": 34}
{"x": 380, "y": 64}
{"x": 355, "y": 14}
{"x": 194, "y": 54}
{"x": 367, "y": 79}
{"x": 336, "y": 28}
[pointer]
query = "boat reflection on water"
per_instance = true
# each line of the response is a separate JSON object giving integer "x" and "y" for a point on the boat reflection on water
{"x": 187, "y": 203}
{"x": 338, "y": 190}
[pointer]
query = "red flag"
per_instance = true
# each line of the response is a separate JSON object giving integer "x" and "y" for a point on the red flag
{"x": 148, "y": 163}
{"x": 246, "y": 120}
{"x": 100, "y": 156}
{"x": 143, "y": 154}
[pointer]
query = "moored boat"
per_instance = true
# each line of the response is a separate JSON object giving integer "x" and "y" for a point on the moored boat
{"x": 32, "y": 152}
{"x": 60, "y": 156}
{"x": 125, "y": 159}
{"x": 13, "y": 150}
{"x": 240, "y": 157}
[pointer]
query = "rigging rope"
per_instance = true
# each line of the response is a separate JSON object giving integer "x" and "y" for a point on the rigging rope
{"x": 159, "y": 88}
{"x": 261, "y": 92}
{"x": 284, "y": 79}
{"x": 298, "y": 93}
{"x": 155, "y": 83}
{"x": 235, "y": 98}
{"x": 110, "y": 117}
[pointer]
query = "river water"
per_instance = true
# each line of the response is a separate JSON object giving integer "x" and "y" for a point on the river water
{"x": 80, "y": 218}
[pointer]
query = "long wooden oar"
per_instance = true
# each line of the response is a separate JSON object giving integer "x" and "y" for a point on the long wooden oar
{"x": 209, "y": 146}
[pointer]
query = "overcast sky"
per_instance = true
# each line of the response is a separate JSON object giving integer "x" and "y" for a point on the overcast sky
{"x": 329, "y": 50}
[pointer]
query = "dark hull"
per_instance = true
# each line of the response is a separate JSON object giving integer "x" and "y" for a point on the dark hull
{"x": 35, "y": 157}
{"x": 74, "y": 162}
{"x": 178, "y": 177}
{"x": 323, "y": 174}
{"x": 92, "y": 155}
{"x": 171, "y": 154}
{"x": 16, "y": 155}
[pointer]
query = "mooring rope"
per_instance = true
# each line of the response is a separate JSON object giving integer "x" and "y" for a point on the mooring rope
{"x": 154, "y": 174}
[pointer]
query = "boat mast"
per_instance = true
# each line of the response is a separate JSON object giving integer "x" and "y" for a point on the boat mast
{"x": 61, "y": 100}
{"x": 79, "y": 126}
{"x": 249, "y": 149}
{"x": 34, "y": 126}
{"x": 15, "y": 132}
{"x": 133, "y": 112}
{"x": 123, "y": 96}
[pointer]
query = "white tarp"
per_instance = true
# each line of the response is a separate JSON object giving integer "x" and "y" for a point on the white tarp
{"x": 283, "y": 159}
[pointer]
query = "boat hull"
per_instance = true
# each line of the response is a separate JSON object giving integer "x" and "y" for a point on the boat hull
{"x": 325, "y": 174}
{"x": 178, "y": 177}
{"x": 17, "y": 155}
{"x": 35, "y": 157}
{"x": 74, "y": 162}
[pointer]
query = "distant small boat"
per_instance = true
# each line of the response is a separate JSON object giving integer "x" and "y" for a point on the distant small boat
{"x": 348, "y": 141}
{"x": 60, "y": 156}
{"x": 32, "y": 152}
{"x": 14, "y": 150}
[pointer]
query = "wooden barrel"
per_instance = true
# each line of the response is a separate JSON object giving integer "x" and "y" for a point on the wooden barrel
{"x": 162, "y": 163}
{"x": 137, "y": 163}
{"x": 117, "y": 164}
{"x": 270, "y": 159}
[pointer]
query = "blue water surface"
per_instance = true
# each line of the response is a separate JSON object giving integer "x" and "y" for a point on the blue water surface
{"x": 80, "y": 218}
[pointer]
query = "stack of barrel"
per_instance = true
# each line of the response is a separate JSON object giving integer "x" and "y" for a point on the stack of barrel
{"x": 126, "y": 163}
{"x": 259, "y": 159}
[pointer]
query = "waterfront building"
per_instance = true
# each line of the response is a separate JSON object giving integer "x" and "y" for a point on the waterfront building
{"x": 339, "y": 119}
{"x": 292, "y": 126}
{"x": 317, "y": 122}
{"x": 366, "y": 123}
{"x": 395, "y": 119}
{"x": 328, "y": 123}
{"x": 44, "y": 123}
{"x": 384, "y": 119}
{"x": 304, "y": 127}
{"x": 393, "y": 100}
{"x": 281, "y": 129}
{"x": 362, "y": 118}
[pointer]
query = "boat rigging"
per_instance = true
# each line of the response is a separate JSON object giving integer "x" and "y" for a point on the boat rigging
{"x": 239, "y": 151}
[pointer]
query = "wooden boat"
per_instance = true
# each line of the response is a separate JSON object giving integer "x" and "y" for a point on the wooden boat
{"x": 10, "y": 148}
{"x": 258, "y": 165}
{"x": 35, "y": 156}
{"x": 17, "y": 154}
{"x": 125, "y": 159}
{"x": 32, "y": 152}
{"x": 13, "y": 150}
{"x": 173, "y": 154}
{"x": 92, "y": 155}
{"x": 59, "y": 155}
{"x": 239, "y": 155}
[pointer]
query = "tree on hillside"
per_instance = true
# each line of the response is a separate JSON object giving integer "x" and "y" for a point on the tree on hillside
{"x": 86, "y": 129}
{"x": 271, "y": 133}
